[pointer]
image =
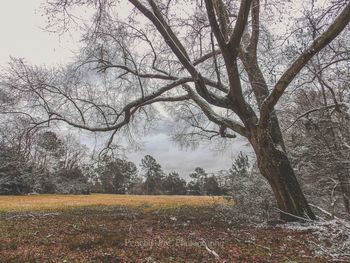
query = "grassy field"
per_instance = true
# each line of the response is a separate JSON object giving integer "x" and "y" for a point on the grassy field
{"x": 54, "y": 202}
{"x": 149, "y": 229}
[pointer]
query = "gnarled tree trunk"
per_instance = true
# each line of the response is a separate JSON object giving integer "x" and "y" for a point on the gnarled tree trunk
{"x": 275, "y": 166}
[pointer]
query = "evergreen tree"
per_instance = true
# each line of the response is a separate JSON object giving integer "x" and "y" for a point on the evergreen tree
{"x": 153, "y": 173}
{"x": 173, "y": 184}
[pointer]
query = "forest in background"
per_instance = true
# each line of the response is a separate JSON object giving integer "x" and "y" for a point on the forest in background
{"x": 51, "y": 164}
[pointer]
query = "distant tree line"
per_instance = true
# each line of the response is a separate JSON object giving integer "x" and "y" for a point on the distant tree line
{"x": 118, "y": 176}
{"x": 48, "y": 163}
{"x": 41, "y": 161}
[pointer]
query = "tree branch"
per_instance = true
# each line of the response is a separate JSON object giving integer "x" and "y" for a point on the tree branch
{"x": 214, "y": 24}
{"x": 314, "y": 110}
{"x": 213, "y": 116}
{"x": 241, "y": 23}
{"x": 206, "y": 57}
{"x": 254, "y": 39}
{"x": 319, "y": 43}
{"x": 172, "y": 43}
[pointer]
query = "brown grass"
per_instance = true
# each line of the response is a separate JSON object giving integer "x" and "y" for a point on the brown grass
{"x": 91, "y": 232}
{"x": 147, "y": 202}
{"x": 119, "y": 234}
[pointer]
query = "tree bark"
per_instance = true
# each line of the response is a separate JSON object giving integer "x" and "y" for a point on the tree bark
{"x": 275, "y": 166}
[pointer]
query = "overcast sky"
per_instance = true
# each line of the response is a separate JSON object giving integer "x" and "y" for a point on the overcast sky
{"x": 22, "y": 35}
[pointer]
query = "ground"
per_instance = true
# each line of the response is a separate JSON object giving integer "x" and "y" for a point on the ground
{"x": 114, "y": 228}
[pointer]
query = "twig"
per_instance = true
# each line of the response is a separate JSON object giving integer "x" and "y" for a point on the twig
{"x": 339, "y": 220}
{"x": 313, "y": 110}
{"x": 211, "y": 251}
{"x": 298, "y": 217}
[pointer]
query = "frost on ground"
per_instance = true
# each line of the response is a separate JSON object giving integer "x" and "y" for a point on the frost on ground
{"x": 332, "y": 237}
{"x": 124, "y": 234}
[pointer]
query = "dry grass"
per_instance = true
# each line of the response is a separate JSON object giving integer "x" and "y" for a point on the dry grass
{"x": 147, "y": 202}
{"x": 85, "y": 230}
{"x": 118, "y": 234}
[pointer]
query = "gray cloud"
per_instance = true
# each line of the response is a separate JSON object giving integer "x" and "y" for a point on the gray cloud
{"x": 173, "y": 158}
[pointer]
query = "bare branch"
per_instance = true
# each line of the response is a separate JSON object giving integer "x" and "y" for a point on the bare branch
{"x": 104, "y": 65}
{"x": 240, "y": 25}
{"x": 214, "y": 117}
{"x": 319, "y": 43}
{"x": 159, "y": 15}
{"x": 214, "y": 24}
{"x": 206, "y": 57}
{"x": 254, "y": 39}
{"x": 314, "y": 110}
{"x": 183, "y": 57}
{"x": 224, "y": 22}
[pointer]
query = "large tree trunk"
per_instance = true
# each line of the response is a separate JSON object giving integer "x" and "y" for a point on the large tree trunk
{"x": 275, "y": 166}
{"x": 273, "y": 163}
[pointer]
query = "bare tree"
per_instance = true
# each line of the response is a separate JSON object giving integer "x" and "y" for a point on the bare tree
{"x": 203, "y": 54}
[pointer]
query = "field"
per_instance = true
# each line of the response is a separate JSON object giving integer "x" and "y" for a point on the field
{"x": 54, "y": 202}
{"x": 116, "y": 228}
